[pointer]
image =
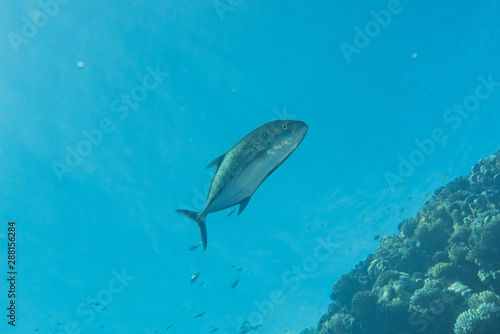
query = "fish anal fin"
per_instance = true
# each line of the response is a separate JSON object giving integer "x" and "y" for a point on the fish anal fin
{"x": 243, "y": 204}
{"x": 217, "y": 161}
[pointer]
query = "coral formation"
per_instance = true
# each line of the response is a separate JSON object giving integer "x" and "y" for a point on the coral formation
{"x": 439, "y": 274}
{"x": 484, "y": 297}
{"x": 341, "y": 323}
{"x": 483, "y": 320}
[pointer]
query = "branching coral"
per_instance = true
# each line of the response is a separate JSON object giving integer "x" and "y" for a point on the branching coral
{"x": 441, "y": 271}
{"x": 483, "y": 320}
{"x": 484, "y": 297}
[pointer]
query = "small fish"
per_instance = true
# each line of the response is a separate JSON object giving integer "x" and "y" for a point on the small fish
{"x": 192, "y": 248}
{"x": 315, "y": 223}
{"x": 234, "y": 284}
{"x": 247, "y": 328}
{"x": 195, "y": 277}
{"x": 446, "y": 176}
{"x": 169, "y": 327}
{"x": 427, "y": 195}
{"x": 238, "y": 269}
{"x": 230, "y": 212}
{"x": 377, "y": 236}
{"x": 201, "y": 284}
{"x": 199, "y": 315}
{"x": 312, "y": 224}
{"x": 241, "y": 170}
{"x": 214, "y": 330}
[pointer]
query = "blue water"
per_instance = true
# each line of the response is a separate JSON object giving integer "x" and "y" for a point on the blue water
{"x": 222, "y": 69}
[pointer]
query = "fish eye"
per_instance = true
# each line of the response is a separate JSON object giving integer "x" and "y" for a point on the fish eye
{"x": 284, "y": 126}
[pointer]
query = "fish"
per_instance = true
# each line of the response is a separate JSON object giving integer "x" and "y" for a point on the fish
{"x": 195, "y": 277}
{"x": 247, "y": 328}
{"x": 241, "y": 170}
{"x": 199, "y": 315}
{"x": 230, "y": 212}
{"x": 192, "y": 248}
{"x": 446, "y": 176}
{"x": 235, "y": 283}
{"x": 427, "y": 195}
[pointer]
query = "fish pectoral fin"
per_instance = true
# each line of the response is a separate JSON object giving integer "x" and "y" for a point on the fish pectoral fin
{"x": 217, "y": 161}
{"x": 243, "y": 204}
{"x": 276, "y": 167}
{"x": 254, "y": 163}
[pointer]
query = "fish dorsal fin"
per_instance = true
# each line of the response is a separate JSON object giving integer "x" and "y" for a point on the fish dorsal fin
{"x": 217, "y": 161}
{"x": 243, "y": 204}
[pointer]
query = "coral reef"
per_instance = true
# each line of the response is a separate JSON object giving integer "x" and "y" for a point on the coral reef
{"x": 439, "y": 274}
{"x": 483, "y": 320}
{"x": 484, "y": 297}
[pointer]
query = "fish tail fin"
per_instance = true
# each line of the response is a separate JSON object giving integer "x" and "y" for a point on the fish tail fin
{"x": 200, "y": 220}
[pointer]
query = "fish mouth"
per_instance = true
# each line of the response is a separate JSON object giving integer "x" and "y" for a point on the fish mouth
{"x": 299, "y": 133}
{"x": 301, "y": 130}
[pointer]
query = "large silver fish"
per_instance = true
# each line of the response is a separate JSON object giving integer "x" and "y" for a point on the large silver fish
{"x": 244, "y": 167}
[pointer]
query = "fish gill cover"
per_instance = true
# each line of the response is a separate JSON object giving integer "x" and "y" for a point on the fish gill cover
{"x": 439, "y": 274}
